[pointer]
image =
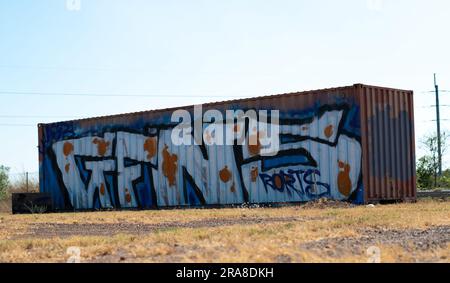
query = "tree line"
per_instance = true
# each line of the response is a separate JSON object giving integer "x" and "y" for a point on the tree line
{"x": 427, "y": 167}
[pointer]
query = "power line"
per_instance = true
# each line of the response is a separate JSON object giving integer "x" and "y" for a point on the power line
{"x": 431, "y": 121}
{"x": 37, "y": 116}
{"x": 97, "y": 69}
{"x": 31, "y": 93}
{"x": 23, "y": 173}
{"x": 17, "y": 125}
{"x": 432, "y": 91}
{"x": 105, "y": 69}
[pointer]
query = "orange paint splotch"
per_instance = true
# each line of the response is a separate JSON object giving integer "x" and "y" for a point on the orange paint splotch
{"x": 67, "y": 148}
{"x": 102, "y": 189}
{"x": 254, "y": 145}
{"x": 233, "y": 188}
{"x": 169, "y": 165}
{"x": 67, "y": 168}
{"x": 254, "y": 149}
{"x": 102, "y": 146}
{"x": 127, "y": 196}
{"x": 225, "y": 175}
{"x": 344, "y": 180}
{"x": 278, "y": 182}
{"x": 254, "y": 174}
{"x": 150, "y": 147}
{"x": 328, "y": 132}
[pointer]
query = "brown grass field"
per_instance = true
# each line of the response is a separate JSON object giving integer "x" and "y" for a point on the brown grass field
{"x": 318, "y": 232}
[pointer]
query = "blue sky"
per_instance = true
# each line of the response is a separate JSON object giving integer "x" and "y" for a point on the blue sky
{"x": 207, "y": 50}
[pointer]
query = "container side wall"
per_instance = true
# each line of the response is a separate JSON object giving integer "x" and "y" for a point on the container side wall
{"x": 132, "y": 161}
{"x": 388, "y": 144}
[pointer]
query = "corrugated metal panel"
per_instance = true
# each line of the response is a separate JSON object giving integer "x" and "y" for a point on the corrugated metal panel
{"x": 328, "y": 140}
{"x": 389, "y": 147}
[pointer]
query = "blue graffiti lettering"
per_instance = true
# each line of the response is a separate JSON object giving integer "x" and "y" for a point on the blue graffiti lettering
{"x": 301, "y": 182}
{"x": 314, "y": 189}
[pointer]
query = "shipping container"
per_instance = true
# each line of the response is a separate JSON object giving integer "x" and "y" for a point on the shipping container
{"x": 351, "y": 143}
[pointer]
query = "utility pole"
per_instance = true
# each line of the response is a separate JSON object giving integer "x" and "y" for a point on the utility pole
{"x": 438, "y": 122}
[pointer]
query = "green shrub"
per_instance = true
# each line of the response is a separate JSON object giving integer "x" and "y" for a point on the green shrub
{"x": 426, "y": 170}
{"x": 444, "y": 180}
{"x": 4, "y": 181}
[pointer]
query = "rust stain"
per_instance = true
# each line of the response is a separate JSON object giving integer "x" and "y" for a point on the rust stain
{"x": 253, "y": 148}
{"x": 169, "y": 165}
{"x": 150, "y": 147}
{"x": 233, "y": 188}
{"x": 236, "y": 128}
{"x": 328, "y": 131}
{"x": 344, "y": 181}
{"x": 102, "y": 189}
{"x": 127, "y": 196}
{"x": 102, "y": 146}
{"x": 67, "y": 167}
{"x": 278, "y": 182}
{"x": 67, "y": 148}
{"x": 225, "y": 175}
{"x": 254, "y": 174}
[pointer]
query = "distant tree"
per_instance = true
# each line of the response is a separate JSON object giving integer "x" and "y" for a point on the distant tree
{"x": 426, "y": 170}
{"x": 4, "y": 181}
{"x": 428, "y": 165}
{"x": 444, "y": 180}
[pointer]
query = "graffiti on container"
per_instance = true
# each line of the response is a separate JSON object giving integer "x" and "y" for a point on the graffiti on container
{"x": 127, "y": 168}
{"x": 297, "y": 181}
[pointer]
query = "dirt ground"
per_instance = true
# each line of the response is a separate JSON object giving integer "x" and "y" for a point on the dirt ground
{"x": 5, "y": 205}
{"x": 316, "y": 232}
{"x": 45, "y": 230}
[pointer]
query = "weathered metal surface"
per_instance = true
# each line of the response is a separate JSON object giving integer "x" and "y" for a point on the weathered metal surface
{"x": 353, "y": 143}
{"x": 388, "y": 141}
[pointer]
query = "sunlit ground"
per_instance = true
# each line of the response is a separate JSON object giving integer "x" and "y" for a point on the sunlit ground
{"x": 417, "y": 232}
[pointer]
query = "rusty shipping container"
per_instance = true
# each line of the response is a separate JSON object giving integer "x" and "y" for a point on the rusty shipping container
{"x": 351, "y": 143}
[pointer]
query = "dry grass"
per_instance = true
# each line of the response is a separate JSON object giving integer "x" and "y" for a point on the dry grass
{"x": 18, "y": 185}
{"x": 5, "y": 205}
{"x": 407, "y": 233}
{"x": 22, "y": 184}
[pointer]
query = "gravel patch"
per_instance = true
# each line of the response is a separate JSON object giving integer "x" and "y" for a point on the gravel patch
{"x": 411, "y": 240}
{"x": 48, "y": 230}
